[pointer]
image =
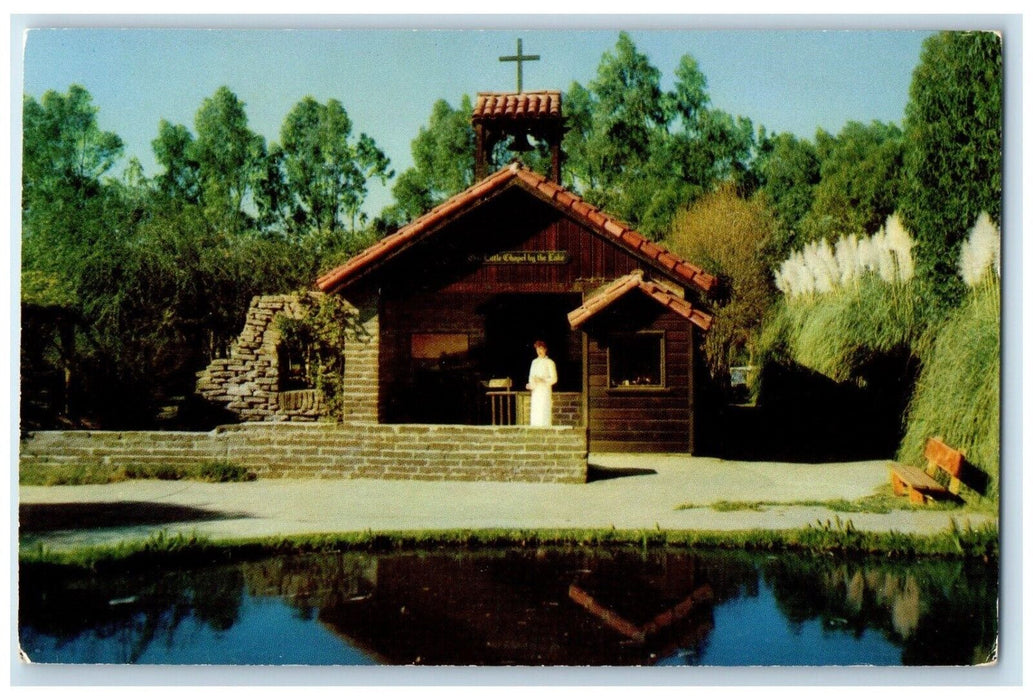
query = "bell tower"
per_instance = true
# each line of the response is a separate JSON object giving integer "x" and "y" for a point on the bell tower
{"x": 520, "y": 115}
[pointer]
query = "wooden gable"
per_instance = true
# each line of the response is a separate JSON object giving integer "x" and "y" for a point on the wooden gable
{"x": 514, "y": 231}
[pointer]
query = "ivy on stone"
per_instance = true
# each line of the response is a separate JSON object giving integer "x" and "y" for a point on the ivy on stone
{"x": 320, "y": 334}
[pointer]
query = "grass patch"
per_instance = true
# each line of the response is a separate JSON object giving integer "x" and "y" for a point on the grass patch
{"x": 731, "y": 506}
{"x": 881, "y": 502}
{"x": 95, "y": 473}
{"x": 221, "y": 472}
{"x": 957, "y": 396}
{"x": 836, "y": 333}
{"x": 833, "y": 537}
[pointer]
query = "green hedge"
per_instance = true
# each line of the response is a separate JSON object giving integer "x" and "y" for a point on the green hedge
{"x": 957, "y": 396}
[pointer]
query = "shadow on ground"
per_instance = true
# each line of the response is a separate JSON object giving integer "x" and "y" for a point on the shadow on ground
{"x": 47, "y": 517}
{"x": 597, "y": 473}
{"x": 804, "y": 416}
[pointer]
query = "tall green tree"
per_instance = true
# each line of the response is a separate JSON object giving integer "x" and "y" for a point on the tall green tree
{"x": 65, "y": 152}
{"x": 67, "y": 206}
{"x": 788, "y": 170}
{"x": 326, "y": 170}
{"x": 616, "y": 125}
{"x": 229, "y": 158}
{"x": 579, "y": 170}
{"x": 443, "y": 157}
{"x": 859, "y": 184}
{"x": 641, "y": 152}
{"x": 953, "y": 150}
{"x": 173, "y": 149}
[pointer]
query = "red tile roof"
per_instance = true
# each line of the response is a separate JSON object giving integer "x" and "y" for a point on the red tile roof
{"x": 545, "y": 189}
{"x": 621, "y": 286}
{"x": 518, "y": 105}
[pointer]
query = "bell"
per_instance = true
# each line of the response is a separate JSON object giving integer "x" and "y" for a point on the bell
{"x": 520, "y": 144}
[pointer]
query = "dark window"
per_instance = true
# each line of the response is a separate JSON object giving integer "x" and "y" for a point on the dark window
{"x": 293, "y": 366}
{"x": 637, "y": 360}
{"x": 438, "y": 346}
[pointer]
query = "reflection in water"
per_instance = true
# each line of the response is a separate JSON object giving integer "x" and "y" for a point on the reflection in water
{"x": 518, "y": 607}
{"x": 942, "y": 613}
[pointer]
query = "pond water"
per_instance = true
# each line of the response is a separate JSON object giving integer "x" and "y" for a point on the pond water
{"x": 546, "y": 606}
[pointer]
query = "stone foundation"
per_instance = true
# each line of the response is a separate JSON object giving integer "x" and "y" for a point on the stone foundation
{"x": 325, "y": 450}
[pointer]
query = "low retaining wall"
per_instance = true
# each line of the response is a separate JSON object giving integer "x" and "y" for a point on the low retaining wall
{"x": 566, "y": 408}
{"x": 325, "y": 450}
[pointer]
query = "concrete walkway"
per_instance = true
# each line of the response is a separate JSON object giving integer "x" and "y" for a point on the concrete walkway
{"x": 646, "y": 494}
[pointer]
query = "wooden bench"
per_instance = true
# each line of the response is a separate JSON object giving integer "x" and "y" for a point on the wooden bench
{"x": 922, "y": 486}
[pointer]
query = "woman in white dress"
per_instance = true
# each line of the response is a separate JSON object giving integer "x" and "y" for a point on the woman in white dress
{"x": 539, "y": 383}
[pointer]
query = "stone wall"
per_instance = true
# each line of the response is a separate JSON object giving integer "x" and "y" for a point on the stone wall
{"x": 248, "y": 381}
{"x": 351, "y": 450}
{"x": 566, "y": 408}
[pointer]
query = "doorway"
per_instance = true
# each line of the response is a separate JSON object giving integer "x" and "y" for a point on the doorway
{"x": 513, "y": 322}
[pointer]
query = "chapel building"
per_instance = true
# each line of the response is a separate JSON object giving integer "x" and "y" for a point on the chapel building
{"x": 454, "y": 301}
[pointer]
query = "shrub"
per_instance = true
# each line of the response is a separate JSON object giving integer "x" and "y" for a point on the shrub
{"x": 840, "y": 333}
{"x": 95, "y": 473}
{"x": 849, "y": 304}
{"x": 220, "y": 471}
{"x": 957, "y": 396}
{"x": 727, "y": 235}
{"x": 320, "y": 334}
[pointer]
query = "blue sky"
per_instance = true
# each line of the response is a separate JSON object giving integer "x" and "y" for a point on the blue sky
{"x": 387, "y": 79}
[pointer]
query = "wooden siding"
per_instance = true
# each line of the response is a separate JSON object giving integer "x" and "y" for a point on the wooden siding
{"x": 443, "y": 285}
{"x": 451, "y": 260}
{"x": 643, "y": 419}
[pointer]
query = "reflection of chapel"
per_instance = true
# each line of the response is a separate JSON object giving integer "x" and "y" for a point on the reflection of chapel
{"x": 454, "y": 300}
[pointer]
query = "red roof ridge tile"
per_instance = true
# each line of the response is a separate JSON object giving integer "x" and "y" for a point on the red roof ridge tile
{"x": 635, "y": 280}
{"x": 536, "y": 104}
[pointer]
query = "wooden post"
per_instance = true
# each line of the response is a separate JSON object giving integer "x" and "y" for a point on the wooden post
{"x": 480, "y": 163}
{"x": 584, "y": 386}
{"x": 692, "y": 389}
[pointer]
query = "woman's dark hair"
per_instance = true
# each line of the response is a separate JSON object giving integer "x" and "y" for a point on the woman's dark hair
{"x": 541, "y": 344}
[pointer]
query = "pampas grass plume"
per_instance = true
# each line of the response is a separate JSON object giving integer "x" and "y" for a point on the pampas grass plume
{"x": 846, "y": 258}
{"x": 981, "y": 252}
{"x": 899, "y": 242}
{"x": 823, "y": 267}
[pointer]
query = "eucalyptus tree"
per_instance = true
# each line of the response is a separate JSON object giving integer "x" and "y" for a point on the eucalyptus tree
{"x": 788, "y": 170}
{"x": 65, "y": 153}
{"x": 173, "y": 149}
{"x": 70, "y": 211}
{"x": 860, "y": 180}
{"x": 229, "y": 159}
{"x": 443, "y": 161}
{"x": 326, "y": 170}
{"x": 642, "y": 152}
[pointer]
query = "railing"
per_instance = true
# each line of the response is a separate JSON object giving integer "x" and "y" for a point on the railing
{"x": 502, "y": 400}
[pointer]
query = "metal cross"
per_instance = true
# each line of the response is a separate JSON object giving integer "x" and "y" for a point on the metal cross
{"x": 520, "y": 58}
